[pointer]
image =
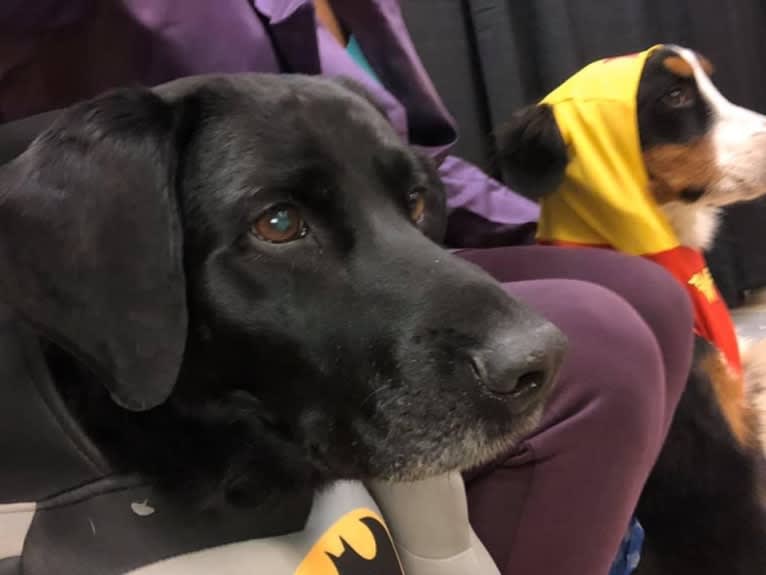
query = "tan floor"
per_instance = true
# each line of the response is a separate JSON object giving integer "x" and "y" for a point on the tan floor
{"x": 750, "y": 319}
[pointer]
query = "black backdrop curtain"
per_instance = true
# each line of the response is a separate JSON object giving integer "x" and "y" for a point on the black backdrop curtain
{"x": 491, "y": 57}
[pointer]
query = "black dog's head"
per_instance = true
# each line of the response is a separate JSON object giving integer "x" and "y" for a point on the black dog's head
{"x": 697, "y": 146}
{"x": 245, "y": 264}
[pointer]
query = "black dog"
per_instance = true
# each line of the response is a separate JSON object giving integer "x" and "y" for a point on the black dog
{"x": 703, "y": 507}
{"x": 240, "y": 297}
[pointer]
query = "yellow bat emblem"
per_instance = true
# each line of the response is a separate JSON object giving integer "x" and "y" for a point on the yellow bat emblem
{"x": 703, "y": 281}
{"x": 356, "y": 544}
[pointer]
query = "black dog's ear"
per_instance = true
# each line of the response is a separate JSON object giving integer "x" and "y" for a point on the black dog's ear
{"x": 532, "y": 152}
{"x": 91, "y": 242}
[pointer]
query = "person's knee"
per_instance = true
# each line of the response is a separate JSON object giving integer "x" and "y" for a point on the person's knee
{"x": 629, "y": 381}
{"x": 665, "y": 306}
{"x": 614, "y": 371}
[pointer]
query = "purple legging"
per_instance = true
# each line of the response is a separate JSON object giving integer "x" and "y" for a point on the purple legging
{"x": 561, "y": 501}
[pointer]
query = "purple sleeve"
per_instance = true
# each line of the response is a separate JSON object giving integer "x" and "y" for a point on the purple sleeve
{"x": 23, "y": 16}
{"x": 483, "y": 212}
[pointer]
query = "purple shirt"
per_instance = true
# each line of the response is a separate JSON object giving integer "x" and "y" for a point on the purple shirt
{"x": 54, "y": 53}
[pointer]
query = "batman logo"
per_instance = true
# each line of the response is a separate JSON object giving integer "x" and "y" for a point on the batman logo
{"x": 357, "y": 544}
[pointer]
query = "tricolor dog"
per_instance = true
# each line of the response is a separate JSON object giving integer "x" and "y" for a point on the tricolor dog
{"x": 638, "y": 154}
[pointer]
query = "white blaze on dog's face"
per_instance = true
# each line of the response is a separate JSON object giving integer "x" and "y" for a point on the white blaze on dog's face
{"x": 739, "y": 142}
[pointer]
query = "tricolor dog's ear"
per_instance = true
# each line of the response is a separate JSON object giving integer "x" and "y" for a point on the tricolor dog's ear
{"x": 91, "y": 241}
{"x": 532, "y": 152}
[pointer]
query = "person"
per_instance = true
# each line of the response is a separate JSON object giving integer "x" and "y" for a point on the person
{"x": 562, "y": 500}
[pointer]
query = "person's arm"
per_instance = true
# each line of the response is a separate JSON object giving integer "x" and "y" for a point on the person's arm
{"x": 482, "y": 211}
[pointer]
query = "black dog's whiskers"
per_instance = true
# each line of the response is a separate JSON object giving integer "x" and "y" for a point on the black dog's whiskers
{"x": 379, "y": 390}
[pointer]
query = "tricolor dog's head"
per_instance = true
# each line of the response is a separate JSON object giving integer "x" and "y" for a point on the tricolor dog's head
{"x": 698, "y": 146}
{"x": 698, "y": 149}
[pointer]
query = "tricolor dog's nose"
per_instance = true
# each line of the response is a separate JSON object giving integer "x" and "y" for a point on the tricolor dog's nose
{"x": 520, "y": 363}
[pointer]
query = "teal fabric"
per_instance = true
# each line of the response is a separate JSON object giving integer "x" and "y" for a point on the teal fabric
{"x": 355, "y": 51}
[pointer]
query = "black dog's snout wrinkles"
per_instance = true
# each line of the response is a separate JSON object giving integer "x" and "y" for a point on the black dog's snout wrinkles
{"x": 517, "y": 361}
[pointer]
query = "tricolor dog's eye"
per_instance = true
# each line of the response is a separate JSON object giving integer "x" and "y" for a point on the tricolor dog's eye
{"x": 680, "y": 97}
{"x": 279, "y": 224}
{"x": 416, "y": 202}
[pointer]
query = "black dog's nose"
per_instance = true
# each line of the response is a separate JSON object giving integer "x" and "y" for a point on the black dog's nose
{"x": 518, "y": 362}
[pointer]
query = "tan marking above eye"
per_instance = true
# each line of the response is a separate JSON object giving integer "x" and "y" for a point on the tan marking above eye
{"x": 707, "y": 65}
{"x": 678, "y": 66}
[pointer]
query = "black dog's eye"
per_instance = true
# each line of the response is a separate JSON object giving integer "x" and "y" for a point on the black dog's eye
{"x": 679, "y": 97}
{"x": 279, "y": 224}
{"x": 416, "y": 202}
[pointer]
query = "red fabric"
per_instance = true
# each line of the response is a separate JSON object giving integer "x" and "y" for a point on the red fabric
{"x": 711, "y": 316}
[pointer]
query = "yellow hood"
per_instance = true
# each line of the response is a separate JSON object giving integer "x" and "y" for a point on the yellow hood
{"x": 605, "y": 198}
